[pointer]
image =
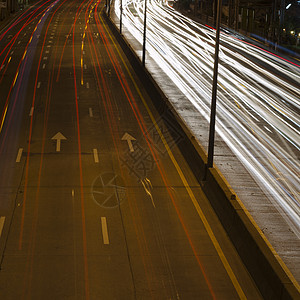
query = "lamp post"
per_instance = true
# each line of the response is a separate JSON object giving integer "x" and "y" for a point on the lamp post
{"x": 121, "y": 13}
{"x": 144, "y": 37}
{"x": 214, "y": 95}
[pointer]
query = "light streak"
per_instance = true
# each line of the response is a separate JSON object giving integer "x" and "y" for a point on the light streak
{"x": 252, "y": 82}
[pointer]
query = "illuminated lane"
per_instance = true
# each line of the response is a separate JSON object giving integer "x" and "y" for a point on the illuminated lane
{"x": 97, "y": 201}
{"x": 258, "y": 100}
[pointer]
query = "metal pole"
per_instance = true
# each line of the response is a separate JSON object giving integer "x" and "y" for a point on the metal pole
{"x": 214, "y": 95}
{"x": 144, "y": 38}
{"x": 121, "y": 13}
{"x": 7, "y": 8}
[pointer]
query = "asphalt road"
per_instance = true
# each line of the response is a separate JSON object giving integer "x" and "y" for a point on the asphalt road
{"x": 96, "y": 201}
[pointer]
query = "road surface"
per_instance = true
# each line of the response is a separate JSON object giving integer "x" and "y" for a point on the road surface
{"x": 97, "y": 202}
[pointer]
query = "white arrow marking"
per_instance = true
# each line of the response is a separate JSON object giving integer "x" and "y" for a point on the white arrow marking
{"x": 127, "y": 137}
{"x": 58, "y": 137}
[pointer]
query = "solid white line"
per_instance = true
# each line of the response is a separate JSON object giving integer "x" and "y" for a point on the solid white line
{"x": 104, "y": 231}
{"x": 91, "y": 112}
{"x": 2, "y": 220}
{"x": 96, "y": 157}
{"x": 31, "y": 111}
{"x": 18, "y": 159}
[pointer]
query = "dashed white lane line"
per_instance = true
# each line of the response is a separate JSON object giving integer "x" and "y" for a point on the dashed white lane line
{"x": 44, "y": 66}
{"x": 2, "y": 220}
{"x": 91, "y": 112}
{"x": 96, "y": 156}
{"x": 18, "y": 159}
{"x": 39, "y": 85}
{"x": 104, "y": 231}
{"x": 87, "y": 85}
{"x": 31, "y": 111}
{"x": 85, "y": 66}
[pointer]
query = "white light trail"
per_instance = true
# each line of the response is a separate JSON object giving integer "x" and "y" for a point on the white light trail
{"x": 258, "y": 98}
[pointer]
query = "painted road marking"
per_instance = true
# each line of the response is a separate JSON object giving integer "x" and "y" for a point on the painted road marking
{"x": 18, "y": 159}
{"x": 44, "y": 66}
{"x": 96, "y": 156}
{"x": 39, "y": 85}
{"x": 2, "y": 220}
{"x": 85, "y": 66}
{"x": 31, "y": 112}
{"x": 87, "y": 85}
{"x": 127, "y": 137}
{"x": 58, "y": 137}
{"x": 104, "y": 231}
{"x": 91, "y": 112}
